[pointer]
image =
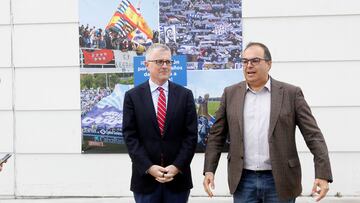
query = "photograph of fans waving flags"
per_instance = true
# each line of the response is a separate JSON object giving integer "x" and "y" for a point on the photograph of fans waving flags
{"x": 114, "y": 36}
{"x": 209, "y": 32}
{"x": 124, "y": 30}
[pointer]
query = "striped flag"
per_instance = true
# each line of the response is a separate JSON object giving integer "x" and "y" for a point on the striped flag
{"x": 126, "y": 19}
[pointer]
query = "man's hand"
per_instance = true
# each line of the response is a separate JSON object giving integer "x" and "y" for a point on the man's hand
{"x": 157, "y": 172}
{"x": 321, "y": 187}
{"x": 209, "y": 183}
{"x": 162, "y": 174}
{"x": 171, "y": 171}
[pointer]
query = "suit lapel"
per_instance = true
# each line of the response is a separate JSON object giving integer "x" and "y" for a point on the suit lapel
{"x": 170, "y": 109}
{"x": 149, "y": 105}
{"x": 240, "y": 96}
{"x": 277, "y": 93}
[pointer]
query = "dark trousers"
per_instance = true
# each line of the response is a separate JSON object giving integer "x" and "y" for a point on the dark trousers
{"x": 162, "y": 195}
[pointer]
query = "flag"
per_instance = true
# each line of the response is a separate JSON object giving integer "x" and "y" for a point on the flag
{"x": 170, "y": 34}
{"x": 126, "y": 19}
{"x": 101, "y": 56}
{"x": 107, "y": 113}
{"x": 119, "y": 25}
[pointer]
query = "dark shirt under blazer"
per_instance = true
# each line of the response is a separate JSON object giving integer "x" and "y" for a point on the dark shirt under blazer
{"x": 145, "y": 144}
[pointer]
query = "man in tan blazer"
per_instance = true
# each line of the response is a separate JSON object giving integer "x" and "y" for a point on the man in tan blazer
{"x": 260, "y": 115}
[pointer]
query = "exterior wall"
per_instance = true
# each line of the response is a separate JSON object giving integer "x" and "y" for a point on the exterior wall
{"x": 314, "y": 45}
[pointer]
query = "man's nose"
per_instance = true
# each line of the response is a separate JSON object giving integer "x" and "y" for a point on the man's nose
{"x": 248, "y": 65}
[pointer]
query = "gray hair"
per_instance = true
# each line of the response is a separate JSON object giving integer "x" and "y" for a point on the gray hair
{"x": 156, "y": 47}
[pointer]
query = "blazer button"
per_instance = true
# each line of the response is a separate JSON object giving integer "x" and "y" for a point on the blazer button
{"x": 242, "y": 157}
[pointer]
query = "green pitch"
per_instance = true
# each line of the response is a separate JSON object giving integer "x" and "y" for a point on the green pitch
{"x": 213, "y": 107}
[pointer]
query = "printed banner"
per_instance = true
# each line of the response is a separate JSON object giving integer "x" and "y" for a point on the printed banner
{"x": 178, "y": 70}
{"x": 112, "y": 33}
{"x": 124, "y": 61}
{"x": 206, "y": 43}
{"x": 101, "y": 56}
{"x": 102, "y": 123}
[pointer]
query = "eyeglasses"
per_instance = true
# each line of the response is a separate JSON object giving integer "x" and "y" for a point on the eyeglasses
{"x": 253, "y": 61}
{"x": 162, "y": 62}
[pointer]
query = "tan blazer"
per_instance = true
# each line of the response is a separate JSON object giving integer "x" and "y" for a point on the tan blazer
{"x": 288, "y": 110}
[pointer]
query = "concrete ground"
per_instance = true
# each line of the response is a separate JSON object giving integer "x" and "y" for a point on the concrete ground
{"x": 191, "y": 200}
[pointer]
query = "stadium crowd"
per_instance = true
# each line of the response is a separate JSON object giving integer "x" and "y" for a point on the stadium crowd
{"x": 209, "y": 32}
{"x": 90, "y": 97}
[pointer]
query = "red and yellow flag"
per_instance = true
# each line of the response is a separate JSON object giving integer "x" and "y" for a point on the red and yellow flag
{"x": 114, "y": 19}
{"x": 127, "y": 12}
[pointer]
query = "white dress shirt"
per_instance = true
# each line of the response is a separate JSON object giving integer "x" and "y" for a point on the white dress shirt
{"x": 155, "y": 92}
{"x": 256, "y": 128}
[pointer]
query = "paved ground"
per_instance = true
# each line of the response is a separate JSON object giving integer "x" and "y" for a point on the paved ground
{"x": 191, "y": 200}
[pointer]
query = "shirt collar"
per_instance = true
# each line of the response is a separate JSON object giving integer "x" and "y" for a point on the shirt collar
{"x": 267, "y": 86}
{"x": 154, "y": 86}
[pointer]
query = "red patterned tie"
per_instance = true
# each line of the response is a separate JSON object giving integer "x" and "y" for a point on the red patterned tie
{"x": 161, "y": 110}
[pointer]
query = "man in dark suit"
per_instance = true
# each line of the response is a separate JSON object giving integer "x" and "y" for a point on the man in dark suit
{"x": 260, "y": 116}
{"x": 160, "y": 131}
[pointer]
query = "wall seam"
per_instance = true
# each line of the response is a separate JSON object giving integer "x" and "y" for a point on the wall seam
{"x": 12, "y": 65}
{"x": 47, "y": 23}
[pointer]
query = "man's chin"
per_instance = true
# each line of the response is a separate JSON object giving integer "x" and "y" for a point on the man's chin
{"x": 165, "y": 77}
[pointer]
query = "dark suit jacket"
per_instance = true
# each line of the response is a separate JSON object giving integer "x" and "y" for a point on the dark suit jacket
{"x": 145, "y": 144}
{"x": 288, "y": 110}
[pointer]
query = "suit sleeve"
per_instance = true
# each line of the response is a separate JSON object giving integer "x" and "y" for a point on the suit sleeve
{"x": 135, "y": 148}
{"x": 189, "y": 142}
{"x": 313, "y": 137}
{"x": 217, "y": 137}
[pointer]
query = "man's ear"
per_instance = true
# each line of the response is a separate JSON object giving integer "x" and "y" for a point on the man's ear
{"x": 269, "y": 64}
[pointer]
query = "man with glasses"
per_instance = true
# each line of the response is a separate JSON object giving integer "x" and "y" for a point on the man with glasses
{"x": 160, "y": 131}
{"x": 260, "y": 115}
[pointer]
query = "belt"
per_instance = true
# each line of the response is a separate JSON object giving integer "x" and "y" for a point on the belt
{"x": 258, "y": 172}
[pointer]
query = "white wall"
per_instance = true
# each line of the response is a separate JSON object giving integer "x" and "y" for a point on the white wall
{"x": 314, "y": 44}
